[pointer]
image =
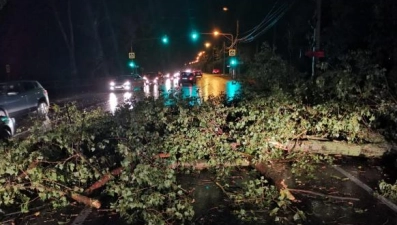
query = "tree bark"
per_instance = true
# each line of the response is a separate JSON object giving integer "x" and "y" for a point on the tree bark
{"x": 101, "y": 182}
{"x": 94, "y": 203}
{"x": 375, "y": 150}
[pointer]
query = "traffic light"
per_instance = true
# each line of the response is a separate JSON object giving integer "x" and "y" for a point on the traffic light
{"x": 194, "y": 35}
{"x": 131, "y": 64}
{"x": 233, "y": 61}
{"x": 164, "y": 39}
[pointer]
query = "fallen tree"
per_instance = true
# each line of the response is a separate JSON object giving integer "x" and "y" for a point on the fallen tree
{"x": 371, "y": 150}
{"x": 134, "y": 156}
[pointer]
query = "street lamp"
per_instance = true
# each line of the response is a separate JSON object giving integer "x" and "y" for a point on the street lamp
{"x": 231, "y": 39}
{"x": 226, "y": 35}
{"x": 207, "y": 44}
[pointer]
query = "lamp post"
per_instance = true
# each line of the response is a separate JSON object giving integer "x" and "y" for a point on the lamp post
{"x": 230, "y": 37}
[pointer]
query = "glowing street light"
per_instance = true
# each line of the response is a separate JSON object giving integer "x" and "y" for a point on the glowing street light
{"x": 227, "y": 35}
{"x": 207, "y": 44}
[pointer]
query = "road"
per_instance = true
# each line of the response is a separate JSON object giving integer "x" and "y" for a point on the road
{"x": 354, "y": 179}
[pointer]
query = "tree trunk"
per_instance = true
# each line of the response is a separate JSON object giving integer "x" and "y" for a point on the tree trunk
{"x": 100, "y": 60}
{"x": 69, "y": 39}
{"x": 375, "y": 150}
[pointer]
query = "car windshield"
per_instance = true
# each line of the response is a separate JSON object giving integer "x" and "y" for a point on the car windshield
{"x": 185, "y": 74}
{"x": 7, "y": 87}
{"x": 123, "y": 78}
{"x": 151, "y": 74}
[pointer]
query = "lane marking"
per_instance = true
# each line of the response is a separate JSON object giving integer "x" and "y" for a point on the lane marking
{"x": 355, "y": 180}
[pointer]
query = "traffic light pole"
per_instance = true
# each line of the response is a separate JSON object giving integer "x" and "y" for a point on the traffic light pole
{"x": 224, "y": 59}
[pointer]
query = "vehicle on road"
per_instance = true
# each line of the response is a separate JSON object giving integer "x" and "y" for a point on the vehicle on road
{"x": 198, "y": 73}
{"x": 216, "y": 71}
{"x": 152, "y": 77}
{"x": 18, "y": 99}
{"x": 187, "y": 77}
{"x": 126, "y": 82}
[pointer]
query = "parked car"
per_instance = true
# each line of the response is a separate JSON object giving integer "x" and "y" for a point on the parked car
{"x": 19, "y": 98}
{"x": 7, "y": 127}
{"x": 187, "y": 77}
{"x": 126, "y": 82}
{"x": 216, "y": 71}
{"x": 152, "y": 78}
{"x": 198, "y": 73}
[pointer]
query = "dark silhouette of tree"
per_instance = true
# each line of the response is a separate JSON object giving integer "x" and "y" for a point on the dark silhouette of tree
{"x": 66, "y": 27}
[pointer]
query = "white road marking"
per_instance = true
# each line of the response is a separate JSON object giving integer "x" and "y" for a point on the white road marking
{"x": 384, "y": 200}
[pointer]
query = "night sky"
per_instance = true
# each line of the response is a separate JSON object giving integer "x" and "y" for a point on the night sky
{"x": 104, "y": 31}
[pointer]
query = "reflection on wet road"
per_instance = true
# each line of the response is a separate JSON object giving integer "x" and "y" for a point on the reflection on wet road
{"x": 169, "y": 89}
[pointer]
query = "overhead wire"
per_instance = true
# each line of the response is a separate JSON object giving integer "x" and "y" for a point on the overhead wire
{"x": 263, "y": 21}
{"x": 275, "y": 16}
{"x": 271, "y": 18}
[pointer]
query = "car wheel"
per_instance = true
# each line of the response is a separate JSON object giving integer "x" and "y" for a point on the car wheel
{"x": 5, "y": 133}
{"x": 42, "y": 109}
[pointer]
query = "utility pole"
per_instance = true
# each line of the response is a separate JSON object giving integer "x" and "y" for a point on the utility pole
{"x": 237, "y": 33}
{"x": 224, "y": 59}
{"x": 316, "y": 36}
{"x": 318, "y": 25}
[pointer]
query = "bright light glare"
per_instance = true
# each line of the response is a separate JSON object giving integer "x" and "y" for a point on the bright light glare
{"x": 112, "y": 83}
{"x": 127, "y": 96}
{"x": 168, "y": 85}
{"x": 127, "y": 83}
{"x": 112, "y": 102}
{"x": 155, "y": 91}
{"x": 216, "y": 33}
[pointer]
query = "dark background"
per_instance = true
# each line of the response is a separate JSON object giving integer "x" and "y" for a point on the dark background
{"x": 104, "y": 31}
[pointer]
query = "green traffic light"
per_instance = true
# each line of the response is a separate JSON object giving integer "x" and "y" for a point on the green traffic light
{"x": 233, "y": 62}
{"x": 131, "y": 64}
{"x": 165, "y": 40}
{"x": 194, "y": 35}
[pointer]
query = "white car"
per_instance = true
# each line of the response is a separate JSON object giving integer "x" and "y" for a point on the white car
{"x": 125, "y": 82}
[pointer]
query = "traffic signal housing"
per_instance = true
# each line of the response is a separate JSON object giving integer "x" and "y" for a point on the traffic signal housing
{"x": 233, "y": 61}
{"x": 194, "y": 35}
{"x": 165, "y": 39}
{"x": 131, "y": 64}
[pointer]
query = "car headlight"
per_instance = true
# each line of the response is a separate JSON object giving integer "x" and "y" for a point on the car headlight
{"x": 144, "y": 77}
{"x": 127, "y": 83}
{"x": 111, "y": 83}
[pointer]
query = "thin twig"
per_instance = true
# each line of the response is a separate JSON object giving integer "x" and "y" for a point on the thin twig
{"x": 221, "y": 187}
{"x": 324, "y": 195}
